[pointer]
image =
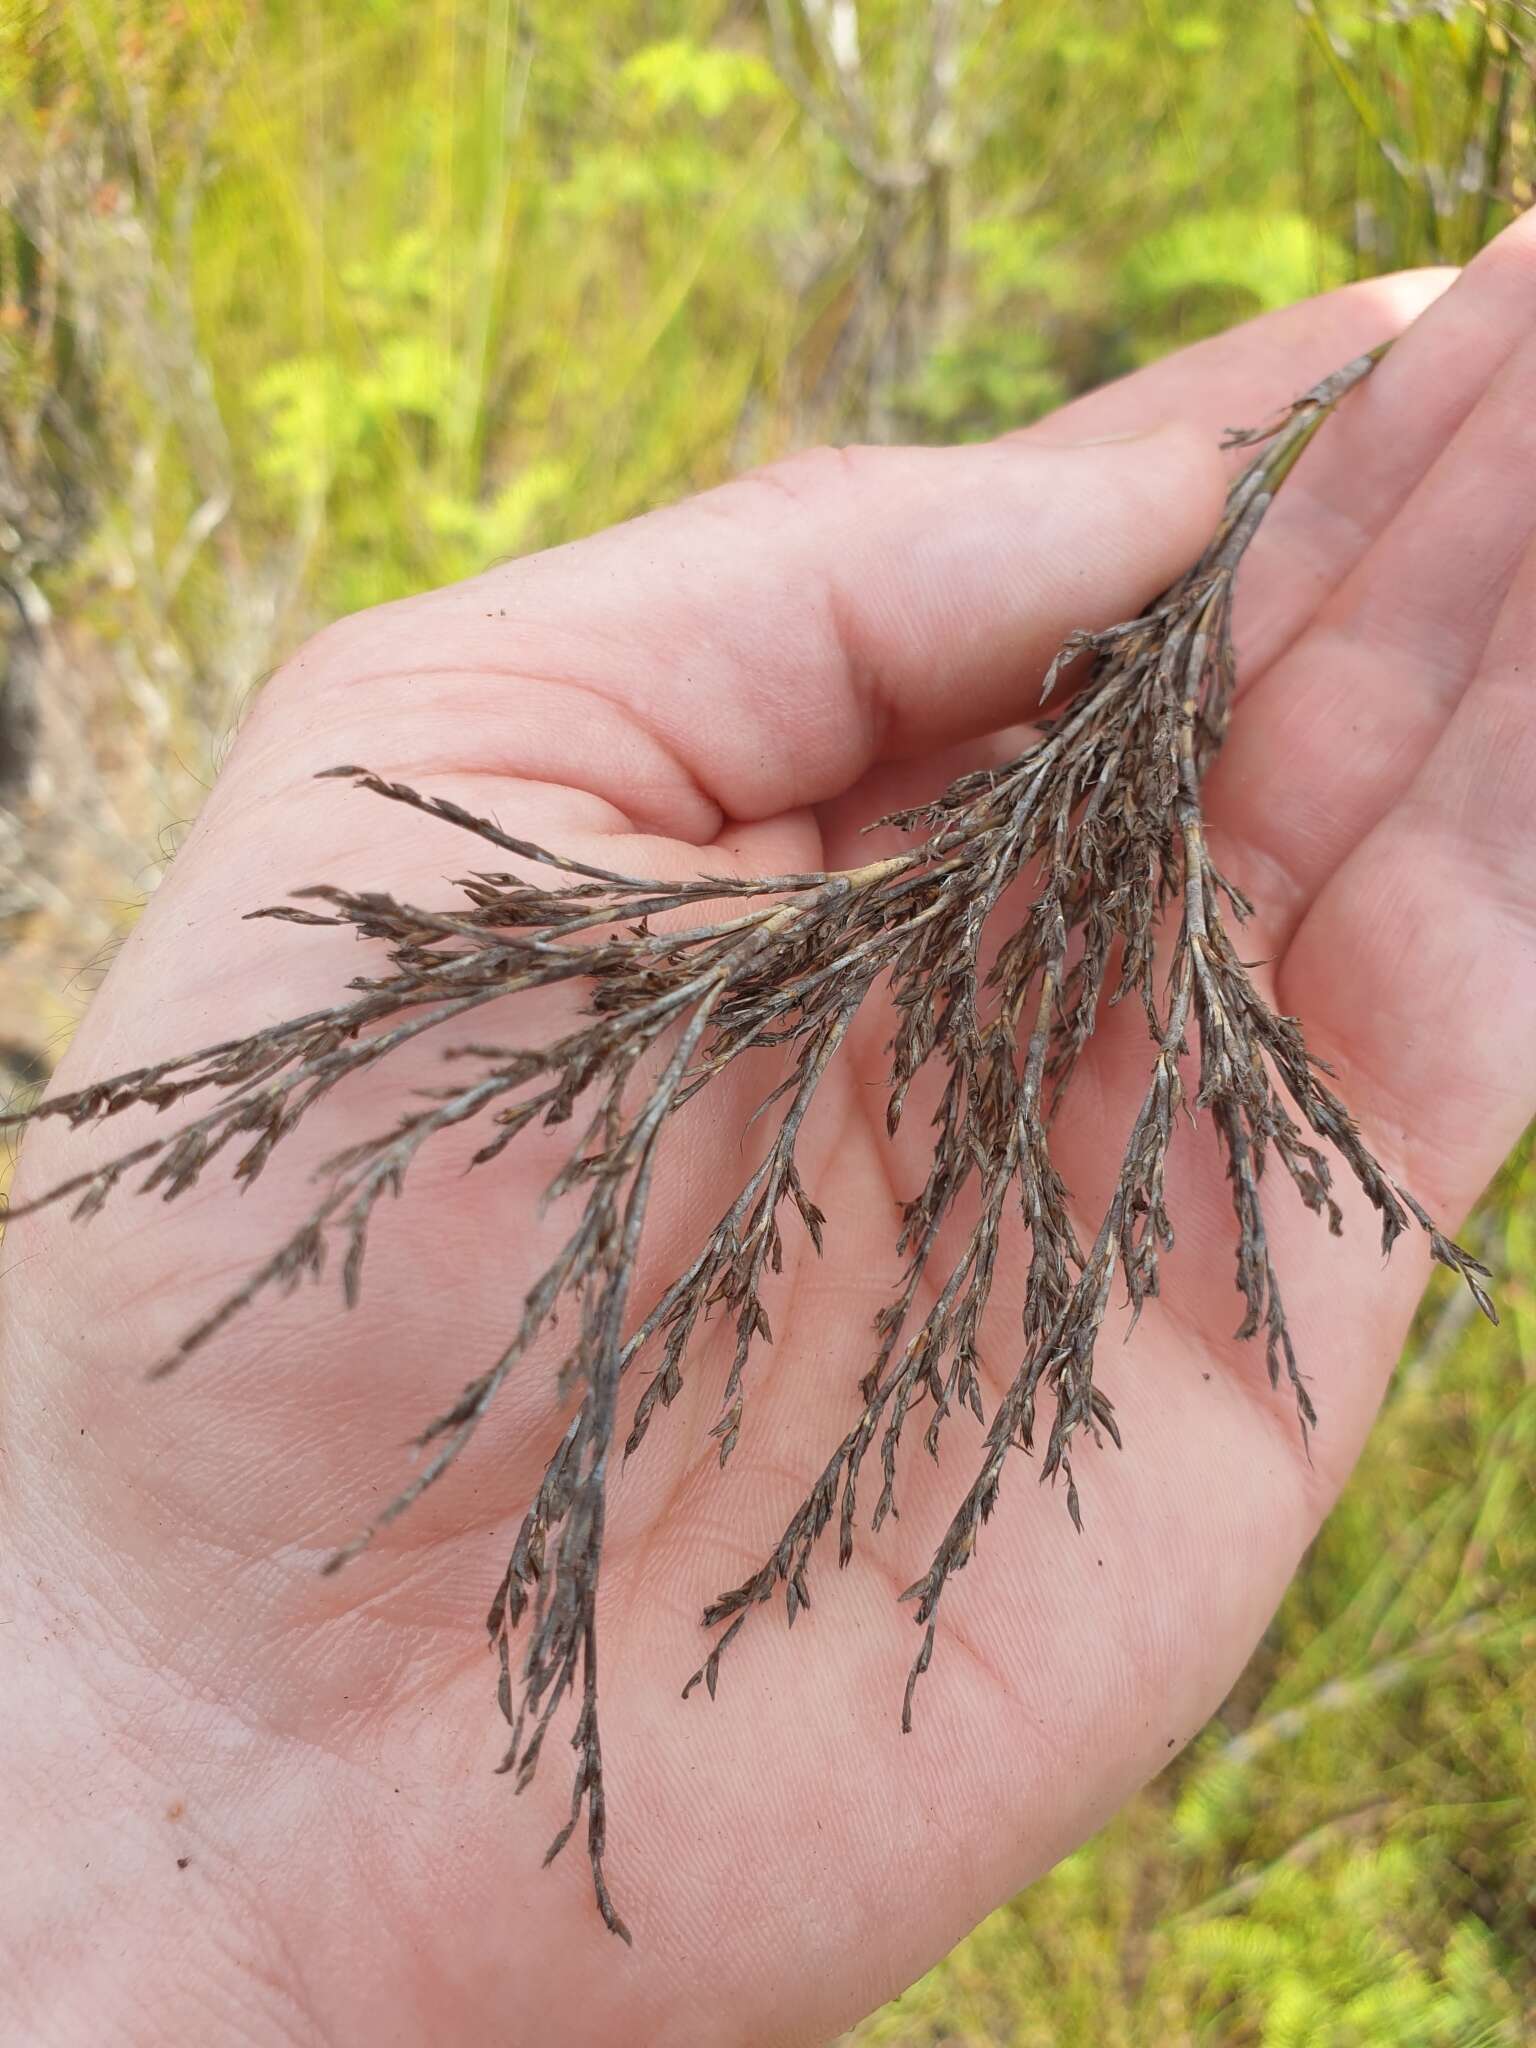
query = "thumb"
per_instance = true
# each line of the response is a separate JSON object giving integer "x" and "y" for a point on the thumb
{"x": 781, "y": 634}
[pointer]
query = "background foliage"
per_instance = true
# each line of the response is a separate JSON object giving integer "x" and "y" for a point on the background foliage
{"x": 311, "y": 303}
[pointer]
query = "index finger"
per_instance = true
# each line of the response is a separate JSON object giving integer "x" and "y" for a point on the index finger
{"x": 1238, "y": 378}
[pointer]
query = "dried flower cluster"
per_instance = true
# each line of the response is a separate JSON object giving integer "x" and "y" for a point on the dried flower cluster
{"x": 1102, "y": 814}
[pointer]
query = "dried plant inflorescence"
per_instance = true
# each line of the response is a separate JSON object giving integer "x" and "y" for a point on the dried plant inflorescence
{"x": 1102, "y": 816}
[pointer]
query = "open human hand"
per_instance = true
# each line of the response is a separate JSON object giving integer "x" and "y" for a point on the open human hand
{"x": 251, "y": 1803}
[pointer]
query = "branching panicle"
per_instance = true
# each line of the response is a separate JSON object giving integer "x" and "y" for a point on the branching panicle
{"x": 1101, "y": 819}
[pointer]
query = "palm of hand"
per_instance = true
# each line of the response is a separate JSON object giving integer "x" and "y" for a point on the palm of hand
{"x": 784, "y": 1854}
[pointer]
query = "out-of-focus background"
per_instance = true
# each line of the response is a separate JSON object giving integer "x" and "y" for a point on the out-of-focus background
{"x": 310, "y": 303}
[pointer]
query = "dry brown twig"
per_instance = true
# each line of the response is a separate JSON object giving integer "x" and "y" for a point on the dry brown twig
{"x": 1103, "y": 813}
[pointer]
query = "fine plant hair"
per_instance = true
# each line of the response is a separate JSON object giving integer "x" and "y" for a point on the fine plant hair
{"x": 1101, "y": 817}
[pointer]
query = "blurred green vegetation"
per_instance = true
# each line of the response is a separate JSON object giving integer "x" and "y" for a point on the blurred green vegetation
{"x": 310, "y": 303}
{"x": 393, "y": 287}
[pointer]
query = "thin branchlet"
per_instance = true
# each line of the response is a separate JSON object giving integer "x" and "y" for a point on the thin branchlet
{"x": 1101, "y": 818}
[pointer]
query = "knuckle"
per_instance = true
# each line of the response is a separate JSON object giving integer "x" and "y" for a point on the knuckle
{"x": 343, "y": 651}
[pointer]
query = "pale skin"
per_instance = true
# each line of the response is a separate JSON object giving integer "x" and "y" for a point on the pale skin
{"x": 245, "y": 1803}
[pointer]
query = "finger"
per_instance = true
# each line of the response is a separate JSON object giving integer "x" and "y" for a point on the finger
{"x": 760, "y": 646}
{"x": 1416, "y": 966}
{"x": 1359, "y": 472}
{"x": 1238, "y": 378}
{"x": 1414, "y": 974}
{"x": 757, "y": 648}
{"x": 1440, "y": 457}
